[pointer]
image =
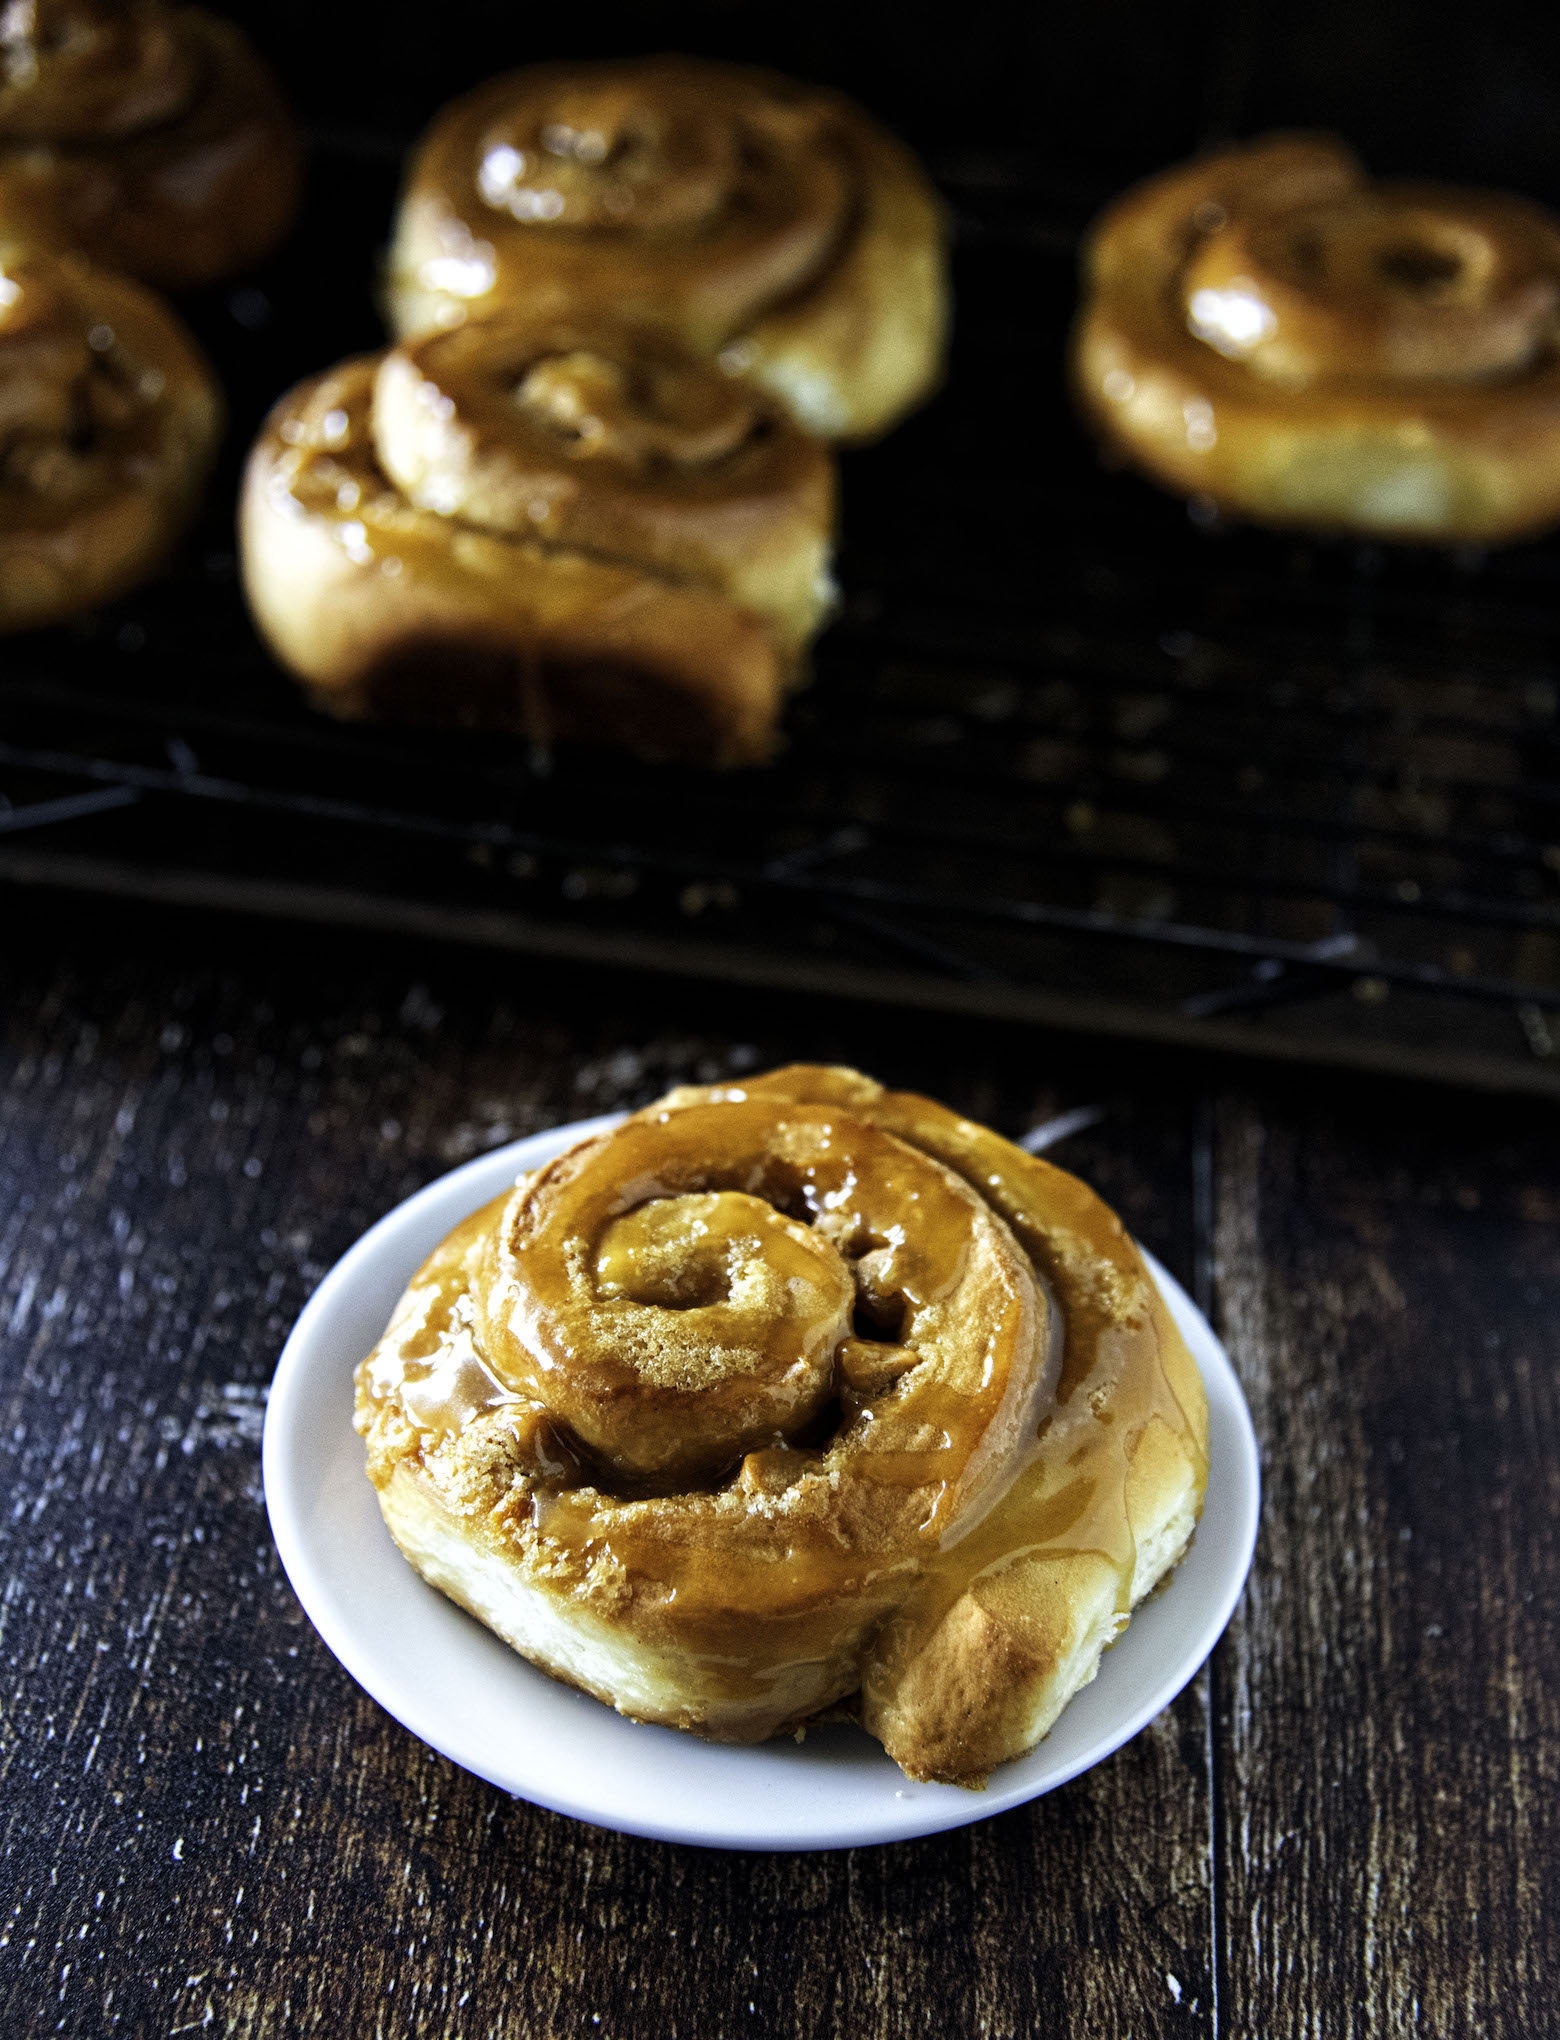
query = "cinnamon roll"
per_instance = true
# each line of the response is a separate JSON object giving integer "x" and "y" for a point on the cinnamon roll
{"x": 1269, "y": 329}
{"x": 150, "y": 138}
{"x": 569, "y": 528}
{"x": 767, "y": 224}
{"x": 790, "y": 1393}
{"x": 109, "y": 420}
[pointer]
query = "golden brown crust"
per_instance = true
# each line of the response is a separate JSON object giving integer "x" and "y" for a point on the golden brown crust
{"x": 565, "y": 1385}
{"x": 109, "y": 420}
{"x": 594, "y": 537}
{"x": 1268, "y": 329}
{"x": 151, "y": 139}
{"x": 768, "y": 223}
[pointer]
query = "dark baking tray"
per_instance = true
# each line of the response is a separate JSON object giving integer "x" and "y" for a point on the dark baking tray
{"x": 1072, "y": 752}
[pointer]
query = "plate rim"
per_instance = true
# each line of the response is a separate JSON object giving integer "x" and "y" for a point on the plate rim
{"x": 921, "y": 1811}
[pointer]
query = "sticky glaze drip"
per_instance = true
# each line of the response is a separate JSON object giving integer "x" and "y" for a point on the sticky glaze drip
{"x": 427, "y": 1359}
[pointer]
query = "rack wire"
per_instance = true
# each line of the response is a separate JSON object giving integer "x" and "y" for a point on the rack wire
{"x": 1074, "y": 753}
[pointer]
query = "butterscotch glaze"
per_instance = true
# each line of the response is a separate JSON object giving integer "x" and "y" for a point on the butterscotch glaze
{"x": 967, "y": 1394}
{"x": 767, "y": 223}
{"x": 430, "y": 1361}
{"x": 1271, "y": 330}
{"x": 147, "y": 137}
{"x": 574, "y": 531}
{"x": 108, "y": 423}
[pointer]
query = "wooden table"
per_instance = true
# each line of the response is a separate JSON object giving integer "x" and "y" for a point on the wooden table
{"x": 1347, "y": 1825}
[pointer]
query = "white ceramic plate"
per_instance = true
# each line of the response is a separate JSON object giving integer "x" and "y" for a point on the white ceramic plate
{"x": 454, "y": 1684}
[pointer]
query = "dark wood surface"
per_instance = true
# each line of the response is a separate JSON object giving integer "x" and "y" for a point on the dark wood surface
{"x": 1347, "y": 1825}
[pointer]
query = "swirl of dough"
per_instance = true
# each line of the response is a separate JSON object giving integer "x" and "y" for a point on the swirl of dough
{"x": 614, "y": 440}
{"x": 108, "y": 423}
{"x": 763, "y": 221}
{"x": 793, "y": 1358}
{"x": 1269, "y": 329}
{"x": 569, "y": 527}
{"x": 760, "y": 1400}
{"x": 149, "y": 138}
{"x": 83, "y": 70}
{"x": 653, "y": 1291}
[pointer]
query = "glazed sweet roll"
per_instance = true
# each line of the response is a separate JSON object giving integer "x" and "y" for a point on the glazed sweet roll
{"x": 789, "y": 1394}
{"x": 148, "y": 137}
{"x": 1271, "y": 330}
{"x": 770, "y": 225}
{"x": 568, "y": 528}
{"x": 109, "y": 420}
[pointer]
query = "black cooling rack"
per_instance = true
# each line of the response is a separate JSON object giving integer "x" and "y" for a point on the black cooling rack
{"x": 1073, "y": 753}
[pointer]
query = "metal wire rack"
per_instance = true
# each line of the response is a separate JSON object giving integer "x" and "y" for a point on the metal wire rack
{"x": 1073, "y": 753}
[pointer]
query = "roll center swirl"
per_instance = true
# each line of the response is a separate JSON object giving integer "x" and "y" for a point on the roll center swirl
{"x": 717, "y": 1319}
{"x": 599, "y": 407}
{"x": 604, "y": 156}
{"x": 601, "y": 434}
{"x": 80, "y": 70}
{"x": 714, "y": 1285}
{"x": 1406, "y": 282}
{"x": 75, "y": 402}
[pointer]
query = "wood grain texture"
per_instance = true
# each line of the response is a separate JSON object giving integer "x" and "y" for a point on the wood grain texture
{"x": 206, "y": 1826}
{"x": 1392, "y": 1731}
